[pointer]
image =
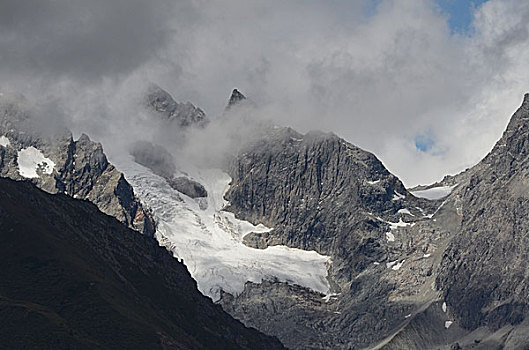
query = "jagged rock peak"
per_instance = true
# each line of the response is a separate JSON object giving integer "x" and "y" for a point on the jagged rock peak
{"x": 235, "y": 98}
{"x": 185, "y": 114}
{"x": 512, "y": 147}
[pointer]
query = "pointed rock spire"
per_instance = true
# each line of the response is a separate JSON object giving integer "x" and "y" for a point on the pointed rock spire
{"x": 235, "y": 98}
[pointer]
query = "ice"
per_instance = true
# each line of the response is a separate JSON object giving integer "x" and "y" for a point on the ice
{"x": 444, "y": 306}
{"x": 390, "y": 237}
{"x": 30, "y": 160}
{"x": 396, "y": 225}
{"x": 405, "y": 211}
{"x": 426, "y": 255}
{"x": 397, "y": 196}
{"x": 448, "y": 324}
{"x": 210, "y": 240}
{"x": 4, "y": 141}
{"x": 434, "y": 193}
{"x": 398, "y": 265}
{"x": 328, "y": 297}
{"x": 407, "y": 316}
{"x": 391, "y": 263}
{"x": 373, "y": 182}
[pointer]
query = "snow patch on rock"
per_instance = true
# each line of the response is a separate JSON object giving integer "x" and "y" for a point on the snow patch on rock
{"x": 434, "y": 193}
{"x": 4, "y": 141}
{"x": 30, "y": 160}
{"x": 395, "y": 265}
{"x": 405, "y": 211}
{"x": 397, "y": 196}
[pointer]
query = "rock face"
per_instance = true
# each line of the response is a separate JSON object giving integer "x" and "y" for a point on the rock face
{"x": 161, "y": 162}
{"x": 321, "y": 193}
{"x": 484, "y": 269}
{"x": 235, "y": 98}
{"x": 188, "y": 187}
{"x": 77, "y": 168}
{"x": 407, "y": 272}
{"x": 73, "y": 277}
{"x": 183, "y": 114}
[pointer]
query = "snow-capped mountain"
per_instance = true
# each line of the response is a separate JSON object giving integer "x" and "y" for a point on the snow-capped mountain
{"x": 305, "y": 236}
{"x": 343, "y": 255}
{"x": 284, "y": 217}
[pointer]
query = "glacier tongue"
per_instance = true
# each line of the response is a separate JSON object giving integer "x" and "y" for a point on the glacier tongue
{"x": 209, "y": 240}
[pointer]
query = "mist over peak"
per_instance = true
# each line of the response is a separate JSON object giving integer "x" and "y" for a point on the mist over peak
{"x": 380, "y": 75}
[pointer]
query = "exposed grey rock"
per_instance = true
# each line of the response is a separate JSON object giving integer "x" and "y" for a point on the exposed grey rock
{"x": 484, "y": 269}
{"x": 161, "y": 162}
{"x": 183, "y": 114}
{"x": 235, "y": 98}
{"x": 81, "y": 168}
{"x": 154, "y": 157}
{"x": 188, "y": 187}
{"x": 468, "y": 250}
{"x": 321, "y": 193}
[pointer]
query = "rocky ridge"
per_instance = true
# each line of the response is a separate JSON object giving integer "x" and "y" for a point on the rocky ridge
{"x": 59, "y": 164}
{"x": 321, "y": 193}
{"x": 451, "y": 274}
{"x": 183, "y": 114}
{"x": 74, "y": 277}
{"x": 406, "y": 272}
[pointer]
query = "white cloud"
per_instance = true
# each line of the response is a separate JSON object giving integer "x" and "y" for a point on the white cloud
{"x": 379, "y": 78}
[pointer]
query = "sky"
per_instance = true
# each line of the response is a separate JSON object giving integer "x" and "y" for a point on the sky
{"x": 426, "y": 85}
{"x": 460, "y": 14}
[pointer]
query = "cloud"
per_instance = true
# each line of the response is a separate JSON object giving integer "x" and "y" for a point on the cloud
{"x": 382, "y": 76}
{"x": 84, "y": 40}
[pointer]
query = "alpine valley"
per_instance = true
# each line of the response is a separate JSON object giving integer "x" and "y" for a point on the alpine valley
{"x": 297, "y": 240}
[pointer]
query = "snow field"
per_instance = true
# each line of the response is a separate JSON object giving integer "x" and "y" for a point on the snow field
{"x": 210, "y": 240}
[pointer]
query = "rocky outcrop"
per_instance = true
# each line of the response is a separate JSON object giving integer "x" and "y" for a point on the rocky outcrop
{"x": 154, "y": 157}
{"x": 182, "y": 114}
{"x": 162, "y": 163}
{"x": 74, "y": 278}
{"x": 319, "y": 193}
{"x": 80, "y": 168}
{"x": 407, "y": 273}
{"x": 188, "y": 187}
{"x": 235, "y": 98}
{"x": 485, "y": 267}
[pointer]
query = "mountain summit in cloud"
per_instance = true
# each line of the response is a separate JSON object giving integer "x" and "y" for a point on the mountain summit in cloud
{"x": 235, "y": 98}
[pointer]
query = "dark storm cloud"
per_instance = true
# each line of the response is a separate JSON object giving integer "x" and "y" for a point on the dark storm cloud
{"x": 81, "y": 39}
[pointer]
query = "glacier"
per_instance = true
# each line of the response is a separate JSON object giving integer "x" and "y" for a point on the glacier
{"x": 209, "y": 240}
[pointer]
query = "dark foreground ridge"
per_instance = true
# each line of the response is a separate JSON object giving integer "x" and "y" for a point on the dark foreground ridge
{"x": 73, "y": 277}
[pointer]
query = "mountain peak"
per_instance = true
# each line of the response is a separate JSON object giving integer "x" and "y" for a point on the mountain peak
{"x": 185, "y": 114}
{"x": 236, "y": 97}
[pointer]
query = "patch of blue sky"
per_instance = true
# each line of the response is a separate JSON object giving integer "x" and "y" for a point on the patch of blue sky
{"x": 424, "y": 142}
{"x": 460, "y": 14}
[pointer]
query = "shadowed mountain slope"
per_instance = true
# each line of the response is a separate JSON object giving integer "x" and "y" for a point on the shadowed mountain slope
{"x": 73, "y": 277}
